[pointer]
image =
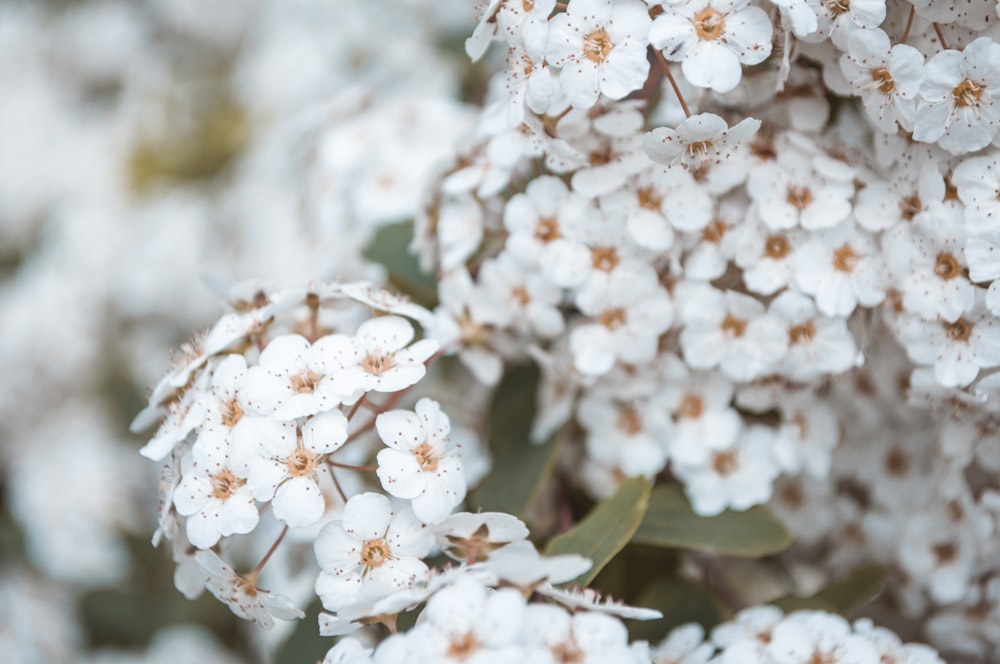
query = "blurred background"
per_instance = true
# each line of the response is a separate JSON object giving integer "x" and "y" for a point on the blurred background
{"x": 152, "y": 154}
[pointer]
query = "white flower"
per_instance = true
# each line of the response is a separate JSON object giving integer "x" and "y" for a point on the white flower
{"x": 684, "y": 645}
{"x": 286, "y": 473}
{"x": 421, "y": 464}
{"x": 585, "y": 637}
{"x": 242, "y": 595}
{"x": 712, "y": 38}
{"x": 293, "y": 378}
{"x": 629, "y": 310}
{"x": 977, "y": 181}
{"x": 377, "y": 357}
{"x": 886, "y": 77}
{"x": 699, "y": 138}
{"x": 600, "y": 47}
{"x": 629, "y": 435}
{"x": 529, "y": 79}
{"x": 737, "y": 477}
{"x": 958, "y": 349}
{"x": 840, "y": 268}
{"x": 817, "y": 344}
{"x": 214, "y": 496}
{"x": 470, "y": 538}
{"x": 819, "y": 636}
{"x": 372, "y": 549}
{"x": 531, "y": 300}
{"x": 956, "y": 107}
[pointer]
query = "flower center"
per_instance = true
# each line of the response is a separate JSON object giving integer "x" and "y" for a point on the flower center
{"x": 960, "y": 330}
{"x": 426, "y": 457}
{"x": 232, "y": 412}
{"x": 699, "y": 149}
{"x": 307, "y": 381}
{"x": 734, "y": 327}
{"x": 613, "y": 319}
{"x": 819, "y": 657}
{"x": 776, "y": 247}
{"x": 377, "y": 363}
{"x": 837, "y": 7}
{"x": 567, "y": 653}
{"x": 714, "y": 231}
{"x": 374, "y": 553}
{"x": 301, "y": 463}
{"x": 649, "y": 199}
{"x": 967, "y": 93}
{"x": 799, "y": 197}
{"x": 882, "y": 81}
{"x": 897, "y": 462}
{"x": 691, "y": 407}
{"x": 225, "y": 484}
{"x": 597, "y": 45}
{"x": 800, "y": 334}
{"x": 725, "y": 463}
{"x": 528, "y": 5}
{"x": 604, "y": 258}
{"x": 629, "y": 421}
{"x": 547, "y": 230}
{"x": 910, "y": 207}
{"x": 844, "y": 259}
{"x": 463, "y": 647}
{"x": 945, "y": 553}
{"x": 947, "y": 266}
{"x": 709, "y": 24}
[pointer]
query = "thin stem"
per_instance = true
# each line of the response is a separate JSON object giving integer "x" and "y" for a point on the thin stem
{"x": 909, "y": 24}
{"x": 336, "y": 482}
{"x": 673, "y": 83}
{"x": 940, "y": 36}
{"x": 357, "y": 404}
{"x": 270, "y": 552}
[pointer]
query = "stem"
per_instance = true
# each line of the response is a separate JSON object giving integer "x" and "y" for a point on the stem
{"x": 270, "y": 552}
{"x": 909, "y": 24}
{"x": 357, "y": 404}
{"x": 673, "y": 83}
{"x": 336, "y": 482}
{"x": 940, "y": 36}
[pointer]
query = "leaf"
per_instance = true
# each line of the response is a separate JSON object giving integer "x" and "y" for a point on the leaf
{"x": 391, "y": 247}
{"x": 670, "y": 522}
{"x": 845, "y": 597}
{"x": 520, "y": 467}
{"x": 680, "y": 601}
{"x": 607, "y": 529}
{"x": 305, "y": 643}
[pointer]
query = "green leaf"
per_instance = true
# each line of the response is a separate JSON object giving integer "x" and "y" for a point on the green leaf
{"x": 607, "y": 529}
{"x": 671, "y": 522}
{"x": 680, "y": 601}
{"x": 845, "y": 597}
{"x": 520, "y": 467}
{"x": 391, "y": 248}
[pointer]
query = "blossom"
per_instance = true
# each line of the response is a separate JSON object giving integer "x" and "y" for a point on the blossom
{"x": 600, "y": 47}
{"x": 243, "y": 596}
{"x": 421, "y": 464}
{"x": 886, "y": 77}
{"x": 701, "y": 137}
{"x": 712, "y": 39}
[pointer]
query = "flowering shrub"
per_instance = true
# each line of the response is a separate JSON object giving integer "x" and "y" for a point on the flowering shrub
{"x": 679, "y": 347}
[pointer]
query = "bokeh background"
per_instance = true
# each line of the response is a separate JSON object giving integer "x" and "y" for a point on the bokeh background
{"x": 154, "y": 154}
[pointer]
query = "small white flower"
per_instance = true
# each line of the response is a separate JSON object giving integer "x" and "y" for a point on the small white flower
{"x": 242, "y": 595}
{"x": 886, "y": 77}
{"x": 699, "y": 138}
{"x": 421, "y": 464}
{"x": 600, "y": 47}
{"x": 214, "y": 496}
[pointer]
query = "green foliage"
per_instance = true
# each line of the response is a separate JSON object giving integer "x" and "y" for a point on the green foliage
{"x": 607, "y": 529}
{"x": 520, "y": 468}
{"x": 305, "y": 644}
{"x": 680, "y": 601}
{"x": 390, "y": 247}
{"x": 845, "y": 597}
{"x": 670, "y": 522}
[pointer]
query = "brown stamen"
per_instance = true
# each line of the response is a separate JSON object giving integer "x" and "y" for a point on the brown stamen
{"x": 709, "y": 24}
{"x": 604, "y": 258}
{"x": 301, "y": 463}
{"x": 725, "y": 463}
{"x": 613, "y": 319}
{"x": 629, "y": 421}
{"x": 733, "y": 327}
{"x": 374, "y": 553}
{"x": 967, "y": 93}
{"x": 947, "y": 266}
{"x": 882, "y": 80}
{"x": 691, "y": 407}
{"x": 845, "y": 259}
{"x": 960, "y": 330}
{"x": 427, "y": 458}
{"x": 307, "y": 381}
{"x": 799, "y": 197}
{"x": 597, "y": 45}
{"x": 776, "y": 247}
{"x": 800, "y": 334}
{"x": 225, "y": 484}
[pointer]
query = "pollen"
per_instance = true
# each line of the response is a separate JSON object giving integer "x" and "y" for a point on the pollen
{"x": 426, "y": 457}
{"x": 225, "y": 484}
{"x": 709, "y": 24}
{"x": 800, "y": 334}
{"x": 376, "y": 364}
{"x": 374, "y": 553}
{"x": 714, "y": 232}
{"x": 649, "y": 199}
{"x": 960, "y": 330}
{"x": 776, "y": 247}
{"x": 520, "y": 293}
{"x": 547, "y": 230}
{"x": 463, "y": 647}
{"x": 232, "y": 413}
{"x": 597, "y": 45}
{"x": 910, "y": 207}
{"x": 845, "y": 259}
{"x": 946, "y": 266}
{"x": 301, "y": 463}
{"x": 604, "y": 258}
{"x": 734, "y": 327}
{"x": 967, "y": 93}
{"x": 837, "y": 7}
{"x": 882, "y": 81}
{"x": 613, "y": 319}
{"x": 691, "y": 407}
{"x": 629, "y": 422}
{"x": 799, "y": 197}
{"x": 725, "y": 463}
{"x": 305, "y": 382}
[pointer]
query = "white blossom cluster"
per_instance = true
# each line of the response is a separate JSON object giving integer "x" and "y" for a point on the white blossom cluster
{"x": 765, "y": 635}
